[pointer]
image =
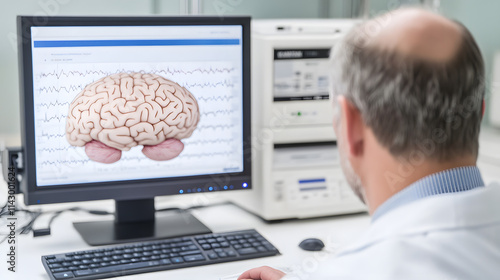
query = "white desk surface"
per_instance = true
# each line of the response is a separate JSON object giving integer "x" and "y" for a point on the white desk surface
{"x": 336, "y": 232}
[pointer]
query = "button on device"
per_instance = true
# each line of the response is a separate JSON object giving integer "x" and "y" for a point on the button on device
{"x": 186, "y": 252}
{"x": 212, "y": 256}
{"x": 193, "y": 258}
{"x": 177, "y": 260}
{"x": 64, "y": 275}
{"x": 246, "y": 251}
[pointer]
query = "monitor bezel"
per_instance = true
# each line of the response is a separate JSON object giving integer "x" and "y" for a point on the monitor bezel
{"x": 129, "y": 189}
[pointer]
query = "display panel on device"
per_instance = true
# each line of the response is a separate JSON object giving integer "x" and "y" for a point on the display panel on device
{"x": 132, "y": 108}
{"x": 301, "y": 74}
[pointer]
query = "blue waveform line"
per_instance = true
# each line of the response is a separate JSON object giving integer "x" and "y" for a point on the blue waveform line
{"x": 211, "y": 141}
{"x": 215, "y": 127}
{"x": 53, "y": 104}
{"x": 55, "y": 135}
{"x": 81, "y": 161}
{"x": 56, "y": 117}
{"x": 209, "y": 85}
{"x": 56, "y": 150}
{"x": 215, "y": 98}
{"x": 79, "y": 88}
{"x": 217, "y": 112}
{"x": 54, "y": 89}
{"x": 187, "y": 142}
{"x": 168, "y": 71}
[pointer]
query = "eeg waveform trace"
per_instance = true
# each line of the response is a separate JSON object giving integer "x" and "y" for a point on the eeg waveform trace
{"x": 215, "y": 84}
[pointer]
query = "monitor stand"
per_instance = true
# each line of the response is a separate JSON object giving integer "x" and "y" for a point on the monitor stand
{"x": 135, "y": 220}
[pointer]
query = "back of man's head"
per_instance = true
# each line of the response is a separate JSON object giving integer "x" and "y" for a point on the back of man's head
{"x": 417, "y": 80}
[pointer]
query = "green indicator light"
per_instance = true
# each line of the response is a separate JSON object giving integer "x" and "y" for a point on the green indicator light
{"x": 299, "y": 114}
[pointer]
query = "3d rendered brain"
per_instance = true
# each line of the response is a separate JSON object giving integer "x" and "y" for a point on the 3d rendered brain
{"x": 125, "y": 110}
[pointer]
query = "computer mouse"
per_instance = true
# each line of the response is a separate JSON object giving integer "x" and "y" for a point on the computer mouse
{"x": 312, "y": 244}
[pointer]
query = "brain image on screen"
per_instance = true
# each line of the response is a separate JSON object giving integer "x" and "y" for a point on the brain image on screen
{"x": 125, "y": 110}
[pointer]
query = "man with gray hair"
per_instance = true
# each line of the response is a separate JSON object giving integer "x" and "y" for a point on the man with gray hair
{"x": 409, "y": 100}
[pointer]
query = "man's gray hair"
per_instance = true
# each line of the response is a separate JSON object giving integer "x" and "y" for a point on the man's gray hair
{"x": 413, "y": 104}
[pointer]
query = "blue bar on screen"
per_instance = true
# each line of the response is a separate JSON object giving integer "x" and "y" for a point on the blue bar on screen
{"x": 312, "y": 181}
{"x": 130, "y": 43}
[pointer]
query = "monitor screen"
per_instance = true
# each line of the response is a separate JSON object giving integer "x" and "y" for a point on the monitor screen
{"x": 301, "y": 74}
{"x": 134, "y": 106}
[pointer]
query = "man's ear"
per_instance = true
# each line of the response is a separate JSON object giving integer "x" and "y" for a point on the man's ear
{"x": 353, "y": 127}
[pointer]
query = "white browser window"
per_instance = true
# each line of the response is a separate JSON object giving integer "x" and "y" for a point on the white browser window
{"x": 206, "y": 60}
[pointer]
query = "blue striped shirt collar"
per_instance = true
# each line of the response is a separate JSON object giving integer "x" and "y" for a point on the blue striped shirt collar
{"x": 452, "y": 180}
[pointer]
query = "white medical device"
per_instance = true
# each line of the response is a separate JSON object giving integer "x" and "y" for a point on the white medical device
{"x": 296, "y": 169}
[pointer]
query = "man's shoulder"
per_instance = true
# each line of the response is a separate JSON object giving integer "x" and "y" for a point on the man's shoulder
{"x": 441, "y": 214}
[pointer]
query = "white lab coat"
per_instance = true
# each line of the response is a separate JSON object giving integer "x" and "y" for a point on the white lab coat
{"x": 448, "y": 236}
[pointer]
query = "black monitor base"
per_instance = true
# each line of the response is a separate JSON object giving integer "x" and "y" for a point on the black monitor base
{"x": 165, "y": 225}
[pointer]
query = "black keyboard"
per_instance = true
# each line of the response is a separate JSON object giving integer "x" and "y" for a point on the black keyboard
{"x": 165, "y": 254}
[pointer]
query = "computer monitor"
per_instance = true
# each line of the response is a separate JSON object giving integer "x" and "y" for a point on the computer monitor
{"x": 129, "y": 108}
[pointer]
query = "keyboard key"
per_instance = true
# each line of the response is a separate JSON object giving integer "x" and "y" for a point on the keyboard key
{"x": 261, "y": 249}
{"x": 189, "y": 253}
{"x": 177, "y": 260}
{"x": 83, "y": 272}
{"x": 64, "y": 275}
{"x": 231, "y": 253}
{"x": 123, "y": 267}
{"x": 158, "y": 255}
{"x": 246, "y": 251}
{"x": 193, "y": 258}
{"x": 213, "y": 256}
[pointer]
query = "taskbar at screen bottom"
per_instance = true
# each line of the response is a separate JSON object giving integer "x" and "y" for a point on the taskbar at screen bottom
{"x": 301, "y": 98}
{"x": 73, "y": 194}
